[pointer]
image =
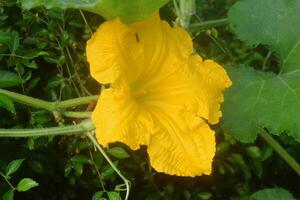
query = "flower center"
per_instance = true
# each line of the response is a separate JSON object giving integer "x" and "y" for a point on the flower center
{"x": 139, "y": 93}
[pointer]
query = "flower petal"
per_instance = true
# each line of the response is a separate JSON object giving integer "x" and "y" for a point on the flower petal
{"x": 179, "y": 149}
{"x": 118, "y": 49}
{"x": 196, "y": 86}
{"x": 119, "y": 119}
{"x": 107, "y": 50}
{"x": 212, "y": 80}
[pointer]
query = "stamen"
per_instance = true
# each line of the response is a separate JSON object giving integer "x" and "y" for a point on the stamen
{"x": 139, "y": 93}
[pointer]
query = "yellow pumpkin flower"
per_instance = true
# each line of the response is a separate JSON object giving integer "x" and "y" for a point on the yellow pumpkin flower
{"x": 161, "y": 94}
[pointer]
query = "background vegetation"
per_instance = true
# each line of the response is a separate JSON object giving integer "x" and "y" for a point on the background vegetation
{"x": 42, "y": 54}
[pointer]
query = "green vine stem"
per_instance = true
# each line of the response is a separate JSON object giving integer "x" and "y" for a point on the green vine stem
{"x": 184, "y": 10}
{"x": 280, "y": 150}
{"x": 83, "y": 126}
{"x": 72, "y": 114}
{"x": 195, "y": 27}
{"x": 7, "y": 181}
{"x": 97, "y": 145}
{"x": 75, "y": 102}
{"x": 50, "y": 106}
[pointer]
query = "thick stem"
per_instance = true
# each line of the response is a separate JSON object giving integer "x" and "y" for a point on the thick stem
{"x": 75, "y": 102}
{"x": 84, "y": 126}
{"x": 208, "y": 24}
{"x": 50, "y": 106}
{"x": 72, "y": 114}
{"x": 281, "y": 151}
{"x": 94, "y": 141}
{"x": 23, "y": 99}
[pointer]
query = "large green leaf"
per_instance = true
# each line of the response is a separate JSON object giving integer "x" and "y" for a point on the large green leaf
{"x": 261, "y": 100}
{"x": 272, "y": 194}
{"x": 274, "y": 23}
{"x": 127, "y": 10}
{"x": 264, "y": 99}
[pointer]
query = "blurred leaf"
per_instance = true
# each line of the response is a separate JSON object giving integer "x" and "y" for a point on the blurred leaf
{"x": 204, "y": 195}
{"x": 78, "y": 168}
{"x": 67, "y": 169}
{"x": 4, "y": 37}
{"x": 238, "y": 160}
{"x": 118, "y": 152}
{"x": 80, "y": 159}
{"x": 266, "y": 152}
{"x": 11, "y": 39}
{"x": 254, "y": 152}
{"x": 153, "y": 196}
{"x": 7, "y": 103}
{"x": 13, "y": 166}
{"x": 274, "y": 23}
{"x": 14, "y": 41}
{"x": 55, "y": 81}
{"x": 9, "y": 79}
{"x": 30, "y": 143}
{"x": 257, "y": 167}
{"x": 272, "y": 194}
{"x": 259, "y": 99}
{"x": 32, "y": 83}
{"x": 9, "y": 195}
{"x": 97, "y": 195}
{"x": 128, "y": 11}
{"x": 113, "y": 196}
{"x": 26, "y": 184}
{"x": 108, "y": 170}
{"x": 82, "y": 145}
{"x": 33, "y": 53}
{"x": 30, "y": 64}
{"x": 36, "y": 166}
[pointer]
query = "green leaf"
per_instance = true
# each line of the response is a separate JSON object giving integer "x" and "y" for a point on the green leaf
{"x": 261, "y": 100}
{"x": 26, "y": 184}
{"x": 78, "y": 168}
{"x": 9, "y": 195}
{"x": 108, "y": 170}
{"x": 9, "y": 79}
{"x": 30, "y": 64}
{"x": 4, "y": 37}
{"x": 13, "y": 166}
{"x": 36, "y": 166}
{"x": 7, "y": 103}
{"x": 113, "y": 196}
{"x": 81, "y": 159}
{"x": 97, "y": 195}
{"x": 118, "y": 152}
{"x": 14, "y": 41}
{"x": 128, "y": 11}
{"x": 274, "y": 23}
{"x": 254, "y": 152}
{"x": 272, "y": 194}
